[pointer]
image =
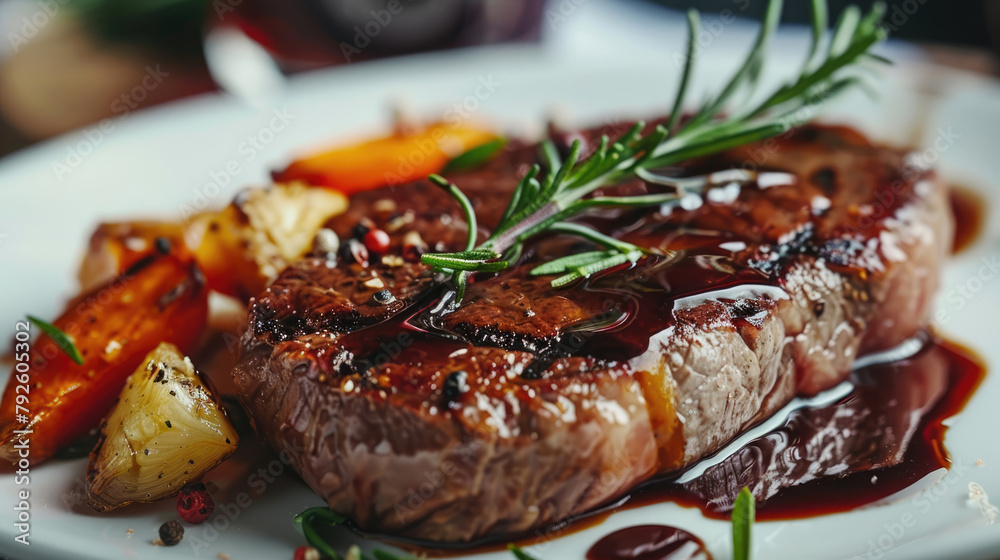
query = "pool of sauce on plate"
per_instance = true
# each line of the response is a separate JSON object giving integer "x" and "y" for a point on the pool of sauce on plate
{"x": 887, "y": 433}
{"x": 649, "y": 542}
{"x": 969, "y": 210}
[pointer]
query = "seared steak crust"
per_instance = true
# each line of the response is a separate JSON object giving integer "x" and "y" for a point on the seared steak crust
{"x": 529, "y": 404}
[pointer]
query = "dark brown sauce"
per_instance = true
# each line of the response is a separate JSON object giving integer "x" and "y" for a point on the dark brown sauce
{"x": 649, "y": 542}
{"x": 969, "y": 209}
{"x": 541, "y": 537}
{"x": 645, "y": 295}
{"x": 889, "y": 433}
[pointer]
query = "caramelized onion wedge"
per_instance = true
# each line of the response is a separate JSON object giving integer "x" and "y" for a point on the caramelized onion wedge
{"x": 166, "y": 430}
{"x": 246, "y": 245}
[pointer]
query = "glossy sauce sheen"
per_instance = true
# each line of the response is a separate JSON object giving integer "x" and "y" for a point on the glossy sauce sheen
{"x": 913, "y": 397}
{"x": 969, "y": 209}
{"x": 649, "y": 542}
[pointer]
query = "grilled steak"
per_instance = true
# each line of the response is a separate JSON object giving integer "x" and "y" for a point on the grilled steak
{"x": 529, "y": 404}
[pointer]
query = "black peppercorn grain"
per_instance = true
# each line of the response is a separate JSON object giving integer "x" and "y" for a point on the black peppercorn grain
{"x": 171, "y": 533}
{"x": 383, "y": 297}
{"x": 354, "y": 251}
{"x": 361, "y": 229}
{"x": 454, "y": 385}
{"x": 162, "y": 245}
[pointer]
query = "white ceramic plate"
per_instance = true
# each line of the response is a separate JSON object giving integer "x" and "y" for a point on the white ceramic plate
{"x": 158, "y": 162}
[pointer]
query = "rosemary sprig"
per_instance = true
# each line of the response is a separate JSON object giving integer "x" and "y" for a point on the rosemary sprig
{"x": 518, "y": 553}
{"x": 62, "y": 340}
{"x": 742, "y": 519}
{"x": 541, "y": 204}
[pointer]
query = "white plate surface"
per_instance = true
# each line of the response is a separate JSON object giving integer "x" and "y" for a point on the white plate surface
{"x": 157, "y": 162}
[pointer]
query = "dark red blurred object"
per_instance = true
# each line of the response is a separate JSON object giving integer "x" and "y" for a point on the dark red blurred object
{"x": 377, "y": 241}
{"x": 304, "y": 34}
{"x": 194, "y": 503}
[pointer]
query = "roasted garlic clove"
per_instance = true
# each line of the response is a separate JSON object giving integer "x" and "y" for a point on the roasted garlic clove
{"x": 166, "y": 430}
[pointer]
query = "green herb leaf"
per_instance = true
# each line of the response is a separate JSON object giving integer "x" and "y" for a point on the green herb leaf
{"x": 62, "y": 340}
{"x": 463, "y": 201}
{"x": 445, "y": 260}
{"x": 743, "y": 518}
{"x": 518, "y": 553}
{"x": 569, "y": 262}
{"x": 474, "y": 157}
{"x": 306, "y": 523}
{"x": 566, "y": 279}
{"x": 694, "y": 24}
{"x": 473, "y": 255}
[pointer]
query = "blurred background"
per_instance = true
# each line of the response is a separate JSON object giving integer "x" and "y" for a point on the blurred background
{"x": 65, "y": 64}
